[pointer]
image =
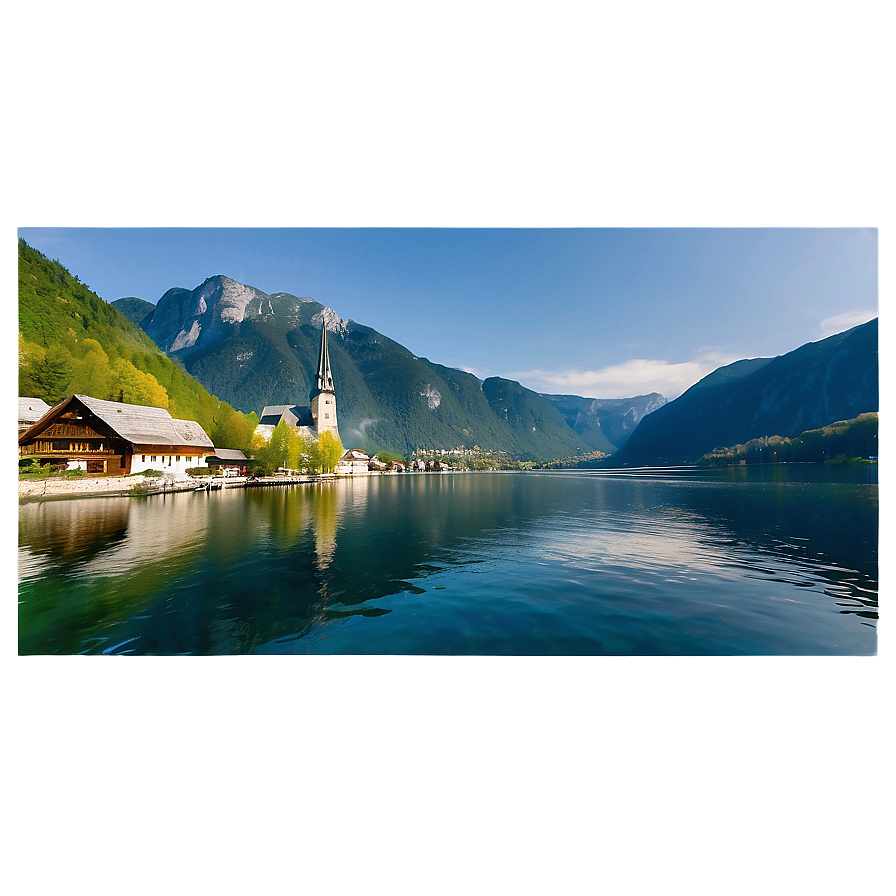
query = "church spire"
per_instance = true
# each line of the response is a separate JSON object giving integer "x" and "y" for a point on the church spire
{"x": 324, "y": 379}
{"x": 323, "y": 395}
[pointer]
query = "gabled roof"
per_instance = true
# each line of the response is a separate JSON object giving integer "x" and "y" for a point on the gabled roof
{"x": 32, "y": 409}
{"x": 355, "y": 454}
{"x": 229, "y": 454}
{"x": 293, "y": 414}
{"x": 137, "y": 424}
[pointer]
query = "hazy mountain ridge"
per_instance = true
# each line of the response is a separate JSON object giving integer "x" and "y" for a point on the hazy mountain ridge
{"x": 606, "y": 422}
{"x": 815, "y": 385}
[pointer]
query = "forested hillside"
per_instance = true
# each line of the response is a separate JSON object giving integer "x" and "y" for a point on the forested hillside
{"x": 813, "y": 386}
{"x": 71, "y": 341}
{"x": 842, "y": 441}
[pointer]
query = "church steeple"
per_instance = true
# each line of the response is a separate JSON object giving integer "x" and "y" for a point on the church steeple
{"x": 324, "y": 378}
{"x": 323, "y": 395}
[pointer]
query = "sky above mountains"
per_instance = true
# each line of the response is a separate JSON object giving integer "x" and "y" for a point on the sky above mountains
{"x": 605, "y": 313}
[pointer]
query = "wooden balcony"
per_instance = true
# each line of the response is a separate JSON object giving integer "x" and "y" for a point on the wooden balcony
{"x": 25, "y": 450}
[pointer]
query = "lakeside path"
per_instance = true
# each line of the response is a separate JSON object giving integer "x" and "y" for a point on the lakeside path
{"x": 127, "y": 486}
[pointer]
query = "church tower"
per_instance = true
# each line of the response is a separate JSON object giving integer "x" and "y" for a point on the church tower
{"x": 323, "y": 396}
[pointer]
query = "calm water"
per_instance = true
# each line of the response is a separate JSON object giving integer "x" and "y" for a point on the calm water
{"x": 779, "y": 561}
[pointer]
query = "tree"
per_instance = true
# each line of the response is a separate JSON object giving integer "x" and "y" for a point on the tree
{"x": 275, "y": 452}
{"x": 328, "y": 451}
{"x": 232, "y": 429}
{"x": 132, "y": 386}
{"x": 92, "y": 375}
{"x": 53, "y": 377}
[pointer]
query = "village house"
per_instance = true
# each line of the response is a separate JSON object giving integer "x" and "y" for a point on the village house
{"x": 30, "y": 411}
{"x": 227, "y": 461}
{"x": 111, "y": 437}
{"x": 353, "y": 461}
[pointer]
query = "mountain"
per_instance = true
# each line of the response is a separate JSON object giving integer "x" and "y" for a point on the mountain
{"x": 606, "y": 423}
{"x": 134, "y": 309}
{"x": 255, "y": 349}
{"x": 71, "y": 341}
{"x": 811, "y": 387}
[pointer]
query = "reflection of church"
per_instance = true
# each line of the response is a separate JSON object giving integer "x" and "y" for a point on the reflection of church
{"x": 320, "y": 416}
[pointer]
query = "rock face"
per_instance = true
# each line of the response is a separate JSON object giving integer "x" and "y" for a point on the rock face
{"x": 813, "y": 386}
{"x": 199, "y": 318}
{"x": 606, "y": 422}
{"x": 253, "y": 350}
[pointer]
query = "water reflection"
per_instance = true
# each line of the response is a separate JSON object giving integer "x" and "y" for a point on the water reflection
{"x": 526, "y": 563}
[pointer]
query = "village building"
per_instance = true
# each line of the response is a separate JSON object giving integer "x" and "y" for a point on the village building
{"x": 227, "y": 461}
{"x": 296, "y": 417}
{"x": 111, "y": 437}
{"x": 30, "y": 411}
{"x": 353, "y": 461}
{"x": 320, "y": 416}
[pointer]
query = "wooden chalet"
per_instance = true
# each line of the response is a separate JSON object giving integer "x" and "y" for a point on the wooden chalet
{"x": 111, "y": 437}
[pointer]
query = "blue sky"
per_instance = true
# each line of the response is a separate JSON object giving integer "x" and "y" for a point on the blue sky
{"x": 606, "y": 313}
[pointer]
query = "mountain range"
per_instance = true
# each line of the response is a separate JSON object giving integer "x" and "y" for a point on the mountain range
{"x": 254, "y": 349}
{"x": 813, "y": 386}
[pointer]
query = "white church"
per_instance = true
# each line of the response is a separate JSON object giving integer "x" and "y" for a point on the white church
{"x": 319, "y": 417}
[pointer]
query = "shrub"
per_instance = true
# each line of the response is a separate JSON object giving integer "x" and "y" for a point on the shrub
{"x": 33, "y": 470}
{"x": 198, "y": 472}
{"x": 77, "y": 473}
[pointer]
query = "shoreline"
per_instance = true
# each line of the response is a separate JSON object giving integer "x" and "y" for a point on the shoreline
{"x": 142, "y": 486}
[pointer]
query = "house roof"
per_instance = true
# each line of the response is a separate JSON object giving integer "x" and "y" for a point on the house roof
{"x": 293, "y": 414}
{"x": 354, "y": 454}
{"x": 140, "y": 425}
{"x": 32, "y": 409}
{"x": 233, "y": 454}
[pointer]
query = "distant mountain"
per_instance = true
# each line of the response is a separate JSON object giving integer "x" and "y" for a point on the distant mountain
{"x": 811, "y": 387}
{"x": 134, "y": 309}
{"x": 255, "y": 349}
{"x": 606, "y": 423}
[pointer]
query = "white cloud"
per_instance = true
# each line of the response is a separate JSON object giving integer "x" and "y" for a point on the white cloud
{"x": 635, "y": 377}
{"x": 830, "y": 326}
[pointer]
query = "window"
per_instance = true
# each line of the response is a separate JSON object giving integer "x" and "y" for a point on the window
{"x": 143, "y": 458}
{"x": 152, "y": 459}
{"x": 178, "y": 458}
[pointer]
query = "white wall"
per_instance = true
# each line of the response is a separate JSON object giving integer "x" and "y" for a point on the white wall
{"x": 167, "y": 463}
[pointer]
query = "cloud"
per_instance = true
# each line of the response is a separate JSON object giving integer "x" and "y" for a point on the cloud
{"x": 635, "y": 377}
{"x": 830, "y": 326}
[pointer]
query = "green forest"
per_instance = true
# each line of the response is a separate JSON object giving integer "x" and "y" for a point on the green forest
{"x": 846, "y": 440}
{"x": 72, "y": 342}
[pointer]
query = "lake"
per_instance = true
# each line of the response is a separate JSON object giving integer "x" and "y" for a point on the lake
{"x": 766, "y": 560}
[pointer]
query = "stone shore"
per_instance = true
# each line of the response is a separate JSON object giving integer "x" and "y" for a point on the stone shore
{"x": 35, "y": 489}
{"x": 107, "y": 485}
